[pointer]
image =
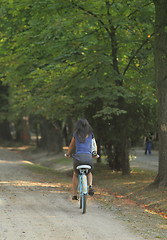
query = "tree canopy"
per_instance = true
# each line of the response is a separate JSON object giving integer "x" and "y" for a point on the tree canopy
{"x": 95, "y": 59}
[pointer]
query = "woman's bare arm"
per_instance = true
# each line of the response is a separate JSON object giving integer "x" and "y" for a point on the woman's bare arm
{"x": 71, "y": 146}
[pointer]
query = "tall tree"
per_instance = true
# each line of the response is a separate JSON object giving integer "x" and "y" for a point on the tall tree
{"x": 106, "y": 66}
{"x": 161, "y": 79}
{"x": 5, "y": 134}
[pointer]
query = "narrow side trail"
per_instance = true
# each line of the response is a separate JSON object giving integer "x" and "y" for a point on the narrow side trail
{"x": 142, "y": 161}
{"x": 32, "y": 209}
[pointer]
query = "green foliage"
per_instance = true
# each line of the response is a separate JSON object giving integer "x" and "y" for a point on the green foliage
{"x": 71, "y": 58}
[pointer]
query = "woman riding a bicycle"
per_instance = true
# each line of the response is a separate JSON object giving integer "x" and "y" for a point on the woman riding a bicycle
{"x": 82, "y": 139}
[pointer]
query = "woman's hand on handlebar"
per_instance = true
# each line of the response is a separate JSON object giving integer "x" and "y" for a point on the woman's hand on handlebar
{"x": 95, "y": 157}
{"x": 66, "y": 155}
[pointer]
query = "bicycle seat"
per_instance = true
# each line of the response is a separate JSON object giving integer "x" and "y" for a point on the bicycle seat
{"x": 84, "y": 167}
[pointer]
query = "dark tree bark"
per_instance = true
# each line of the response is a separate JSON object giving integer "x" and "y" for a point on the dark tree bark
{"x": 51, "y": 136}
{"x": 161, "y": 80}
{"x": 124, "y": 153}
{"x": 5, "y": 134}
{"x": 68, "y": 130}
{"x": 22, "y": 130}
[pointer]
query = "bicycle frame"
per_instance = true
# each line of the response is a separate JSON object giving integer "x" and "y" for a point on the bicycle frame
{"x": 82, "y": 185}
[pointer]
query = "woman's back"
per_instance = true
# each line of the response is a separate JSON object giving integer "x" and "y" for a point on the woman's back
{"x": 83, "y": 147}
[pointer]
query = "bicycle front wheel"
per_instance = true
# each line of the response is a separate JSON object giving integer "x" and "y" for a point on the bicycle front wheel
{"x": 84, "y": 203}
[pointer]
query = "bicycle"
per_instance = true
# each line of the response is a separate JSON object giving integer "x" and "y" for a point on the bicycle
{"x": 82, "y": 186}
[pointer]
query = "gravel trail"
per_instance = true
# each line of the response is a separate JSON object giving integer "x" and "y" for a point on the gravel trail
{"x": 31, "y": 209}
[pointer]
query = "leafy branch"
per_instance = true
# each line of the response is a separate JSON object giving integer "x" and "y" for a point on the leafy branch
{"x": 145, "y": 5}
{"x": 136, "y": 52}
{"x": 92, "y": 14}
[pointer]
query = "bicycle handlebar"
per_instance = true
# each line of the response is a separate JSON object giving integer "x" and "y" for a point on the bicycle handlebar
{"x": 70, "y": 155}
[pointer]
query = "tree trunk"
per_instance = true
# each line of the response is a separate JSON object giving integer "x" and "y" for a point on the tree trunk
{"x": 117, "y": 158}
{"x": 121, "y": 160}
{"x": 122, "y": 142}
{"x": 51, "y": 136}
{"x": 5, "y": 134}
{"x": 124, "y": 153}
{"x": 22, "y": 130}
{"x": 68, "y": 130}
{"x": 110, "y": 157}
{"x": 161, "y": 80}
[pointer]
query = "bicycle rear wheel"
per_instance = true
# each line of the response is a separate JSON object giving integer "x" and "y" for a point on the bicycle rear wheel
{"x": 84, "y": 203}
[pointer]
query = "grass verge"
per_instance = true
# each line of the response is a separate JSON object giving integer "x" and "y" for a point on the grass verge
{"x": 132, "y": 189}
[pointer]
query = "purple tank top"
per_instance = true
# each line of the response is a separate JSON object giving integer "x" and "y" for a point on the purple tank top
{"x": 83, "y": 147}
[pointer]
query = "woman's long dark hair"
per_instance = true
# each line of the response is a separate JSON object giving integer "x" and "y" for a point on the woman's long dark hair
{"x": 83, "y": 129}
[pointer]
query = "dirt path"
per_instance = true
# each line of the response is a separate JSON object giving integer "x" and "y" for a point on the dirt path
{"x": 30, "y": 209}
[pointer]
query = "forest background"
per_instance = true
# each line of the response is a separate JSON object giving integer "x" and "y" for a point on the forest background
{"x": 62, "y": 60}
